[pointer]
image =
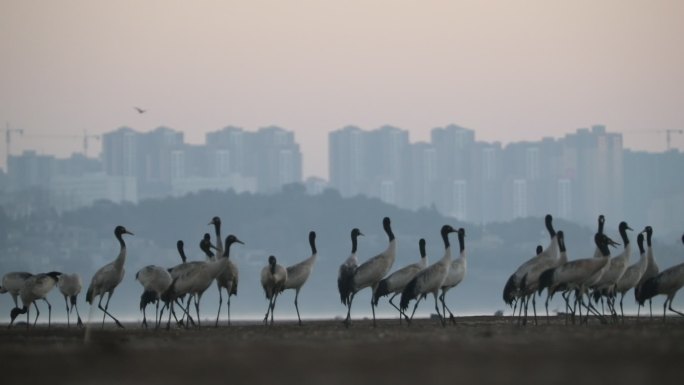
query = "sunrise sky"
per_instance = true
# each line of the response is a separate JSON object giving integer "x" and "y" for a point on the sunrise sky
{"x": 510, "y": 70}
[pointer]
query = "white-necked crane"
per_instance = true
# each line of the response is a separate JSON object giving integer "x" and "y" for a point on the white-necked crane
{"x": 273, "y": 278}
{"x": 345, "y": 276}
{"x": 35, "y": 287}
{"x": 371, "y": 272}
{"x": 394, "y": 283}
{"x": 298, "y": 274}
{"x": 108, "y": 277}
{"x": 667, "y": 282}
{"x": 430, "y": 279}
{"x": 70, "y": 286}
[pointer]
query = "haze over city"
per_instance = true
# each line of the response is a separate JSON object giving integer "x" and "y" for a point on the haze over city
{"x": 510, "y": 71}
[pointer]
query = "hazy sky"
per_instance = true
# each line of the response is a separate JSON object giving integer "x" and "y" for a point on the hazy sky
{"x": 510, "y": 70}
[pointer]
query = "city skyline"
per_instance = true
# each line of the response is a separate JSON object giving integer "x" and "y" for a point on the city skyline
{"x": 511, "y": 71}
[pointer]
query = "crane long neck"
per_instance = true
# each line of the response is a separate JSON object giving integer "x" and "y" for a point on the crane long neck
{"x": 354, "y": 242}
{"x": 312, "y": 243}
{"x": 121, "y": 258}
{"x": 625, "y": 238}
{"x": 219, "y": 245}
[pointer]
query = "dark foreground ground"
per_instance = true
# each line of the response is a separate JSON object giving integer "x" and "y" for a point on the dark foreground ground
{"x": 492, "y": 350}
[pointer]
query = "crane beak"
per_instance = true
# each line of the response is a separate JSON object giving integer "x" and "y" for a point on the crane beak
{"x": 128, "y": 232}
{"x": 239, "y": 241}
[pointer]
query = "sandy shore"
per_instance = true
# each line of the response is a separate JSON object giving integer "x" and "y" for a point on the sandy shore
{"x": 476, "y": 349}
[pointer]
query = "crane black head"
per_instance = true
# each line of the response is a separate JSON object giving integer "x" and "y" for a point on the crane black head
{"x": 216, "y": 221}
{"x": 355, "y": 233}
{"x": 548, "y": 221}
{"x": 232, "y": 239}
{"x": 388, "y": 228}
{"x": 623, "y": 227}
{"x": 421, "y": 247}
{"x": 682, "y": 238}
{"x": 640, "y": 242}
{"x": 15, "y": 312}
{"x": 120, "y": 230}
{"x": 461, "y": 239}
{"x": 272, "y": 260}
{"x": 54, "y": 274}
{"x": 539, "y": 249}
{"x": 649, "y": 233}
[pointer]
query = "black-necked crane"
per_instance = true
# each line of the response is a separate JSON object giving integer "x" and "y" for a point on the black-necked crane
{"x": 571, "y": 275}
{"x": 273, "y": 278}
{"x": 298, "y": 274}
{"x": 633, "y": 274}
{"x": 108, "y": 277}
{"x": 652, "y": 270}
{"x": 512, "y": 288}
{"x": 371, "y": 272}
{"x": 228, "y": 279}
{"x": 70, "y": 286}
{"x": 457, "y": 272}
{"x": 430, "y": 279}
{"x": 605, "y": 286}
{"x": 515, "y": 301}
{"x": 12, "y": 283}
{"x": 197, "y": 279}
{"x": 530, "y": 282}
{"x": 345, "y": 275}
{"x": 601, "y": 225}
{"x": 667, "y": 282}
{"x": 155, "y": 280}
{"x": 394, "y": 283}
{"x": 35, "y": 287}
{"x": 180, "y": 269}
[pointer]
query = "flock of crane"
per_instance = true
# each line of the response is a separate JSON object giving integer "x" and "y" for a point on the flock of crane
{"x": 597, "y": 277}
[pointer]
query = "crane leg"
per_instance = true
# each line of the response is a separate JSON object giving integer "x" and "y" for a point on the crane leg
{"x": 650, "y": 308}
{"x": 622, "y": 312}
{"x": 445, "y": 309}
{"x": 441, "y": 319}
{"x": 534, "y": 307}
{"x": 144, "y": 321}
{"x": 268, "y": 310}
{"x": 228, "y": 303}
{"x": 373, "y": 309}
{"x": 665, "y": 308}
{"x": 347, "y": 321}
{"x": 275, "y": 298}
{"x": 106, "y": 313}
{"x": 198, "y": 298}
{"x": 79, "y": 323}
{"x": 414, "y": 310}
{"x": 401, "y": 313}
{"x": 38, "y": 313}
{"x": 297, "y": 307}
{"x": 66, "y": 301}
{"x": 220, "y": 303}
{"x": 673, "y": 310}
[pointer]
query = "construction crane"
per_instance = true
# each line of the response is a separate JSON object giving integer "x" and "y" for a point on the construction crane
{"x": 668, "y": 138}
{"x": 668, "y": 134}
{"x": 8, "y": 140}
{"x": 87, "y": 136}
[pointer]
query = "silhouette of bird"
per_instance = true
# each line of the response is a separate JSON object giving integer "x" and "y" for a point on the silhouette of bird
{"x": 70, "y": 286}
{"x": 430, "y": 279}
{"x": 346, "y": 272}
{"x": 35, "y": 287}
{"x": 273, "y": 278}
{"x": 298, "y": 274}
{"x": 394, "y": 283}
{"x": 140, "y": 110}
{"x": 108, "y": 277}
{"x": 371, "y": 272}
